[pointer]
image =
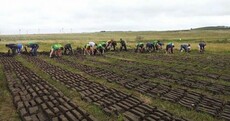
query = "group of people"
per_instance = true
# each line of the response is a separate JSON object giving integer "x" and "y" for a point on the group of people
{"x": 17, "y": 48}
{"x": 157, "y": 46}
{"x": 149, "y": 47}
{"x": 92, "y": 48}
{"x": 56, "y": 49}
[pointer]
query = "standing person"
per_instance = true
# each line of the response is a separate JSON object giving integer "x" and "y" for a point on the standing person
{"x": 123, "y": 45}
{"x": 56, "y": 49}
{"x": 169, "y": 47}
{"x": 68, "y": 49}
{"x": 140, "y": 47}
{"x": 34, "y": 47}
{"x": 202, "y": 45}
{"x": 13, "y": 48}
{"x": 185, "y": 47}
{"x": 19, "y": 49}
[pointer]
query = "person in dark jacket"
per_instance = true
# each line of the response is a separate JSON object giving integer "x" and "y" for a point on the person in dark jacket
{"x": 34, "y": 47}
{"x": 12, "y": 48}
{"x": 123, "y": 45}
{"x": 68, "y": 49}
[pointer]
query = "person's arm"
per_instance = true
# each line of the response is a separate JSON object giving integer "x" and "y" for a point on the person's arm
{"x": 51, "y": 52}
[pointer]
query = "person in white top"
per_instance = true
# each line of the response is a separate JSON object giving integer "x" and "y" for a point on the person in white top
{"x": 92, "y": 44}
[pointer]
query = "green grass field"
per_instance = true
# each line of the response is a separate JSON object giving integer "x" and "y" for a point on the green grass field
{"x": 153, "y": 67}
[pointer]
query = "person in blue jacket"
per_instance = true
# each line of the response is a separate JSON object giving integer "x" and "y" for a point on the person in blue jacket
{"x": 19, "y": 48}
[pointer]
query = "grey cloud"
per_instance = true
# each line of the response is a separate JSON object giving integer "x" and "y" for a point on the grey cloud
{"x": 91, "y": 15}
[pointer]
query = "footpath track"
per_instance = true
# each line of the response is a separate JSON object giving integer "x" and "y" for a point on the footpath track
{"x": 189, "y": 99}
{"x": 152, "y": 73}
{"x": 110, "y": 100}
{"x": 35, "y": 99}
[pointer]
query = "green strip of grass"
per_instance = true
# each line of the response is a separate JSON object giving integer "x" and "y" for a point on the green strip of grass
{"x": 176, "y": 109}
{"x": 174, "y": 85}
{"x": 73, "y": 95}
{"x": 7, "y": 109}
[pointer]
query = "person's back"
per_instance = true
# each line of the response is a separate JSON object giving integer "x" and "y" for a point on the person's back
{"x": 140, "y": 44}
{"x": 56, "y": 49}
{"x": 68, "y": 46}
{"x": 202, "y": 45}
{"x": 34, "y": 47}
{"x": 68, "y": 49}
{"x": 20, "y": 46}
{"x": 169, "y": 47}
{"x": 184, "y": 47}
{"x": 139, "y": 47}
{"x": 56, "y": 46}
{"x": 12, "y": 47}
{"x": 92, "y": 44}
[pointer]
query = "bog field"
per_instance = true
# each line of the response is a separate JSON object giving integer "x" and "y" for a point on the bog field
{"x": 119, "y": 85}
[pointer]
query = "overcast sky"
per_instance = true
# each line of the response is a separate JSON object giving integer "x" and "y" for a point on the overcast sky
{"x": 54, "y": 16}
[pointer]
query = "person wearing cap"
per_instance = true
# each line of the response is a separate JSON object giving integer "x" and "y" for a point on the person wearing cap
{"x": 202, "y": 45}
{"x": 185, "y": 47}
{"x": 56, "y": 49}
{"x": 140, "y": 47}
{"x": 68, "y": 49}
{"x": 123, "y": 45}
{"x": 169, "y": 47}
{"x": 34, "y": 47}
{"x": 12, "y": 47}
